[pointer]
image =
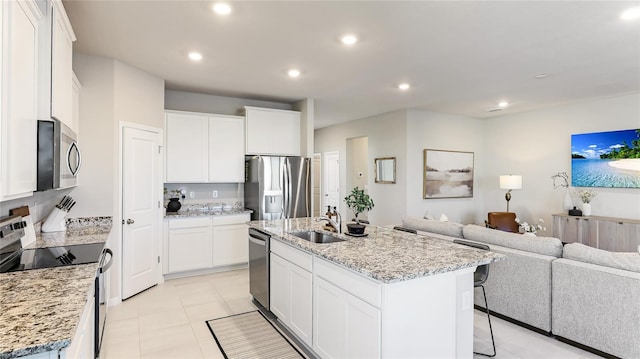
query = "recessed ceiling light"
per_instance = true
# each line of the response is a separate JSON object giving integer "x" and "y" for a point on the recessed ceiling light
{"x": 195, "y": 56}
{"x": 349, "y": 39}
{"x": 503, "y": 104}
{"x": 404, "y": 86}
{"x": 294, "y": 73}
{"x": 542, "y": 76}
{"x": 222, "y": 8}
{"x": 631, "y": 13}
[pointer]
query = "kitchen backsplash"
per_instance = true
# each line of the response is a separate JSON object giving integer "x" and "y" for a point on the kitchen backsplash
{"x": 230, "y": 194}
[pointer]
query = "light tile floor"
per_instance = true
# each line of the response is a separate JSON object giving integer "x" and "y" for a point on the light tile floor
{"x": 168, "y": 321}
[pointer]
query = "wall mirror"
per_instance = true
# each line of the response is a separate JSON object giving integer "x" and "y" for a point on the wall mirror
{"x": 385, "y": 170}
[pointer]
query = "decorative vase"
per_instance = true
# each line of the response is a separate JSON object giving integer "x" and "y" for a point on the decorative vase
{"x": 355, "y": 228}
{"x": 568, "y": 201}
{"x": 586, "y": 209}
{"x": 173, "y": 205}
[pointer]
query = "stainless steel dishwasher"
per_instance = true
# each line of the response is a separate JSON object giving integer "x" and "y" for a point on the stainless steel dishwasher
{"x": 259, "y": 266}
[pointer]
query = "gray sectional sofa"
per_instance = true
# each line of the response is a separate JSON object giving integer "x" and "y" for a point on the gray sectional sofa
{"x": 586, "y": 295}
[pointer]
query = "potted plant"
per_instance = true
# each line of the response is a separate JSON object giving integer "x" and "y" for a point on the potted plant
{"x": 358, "y": 202}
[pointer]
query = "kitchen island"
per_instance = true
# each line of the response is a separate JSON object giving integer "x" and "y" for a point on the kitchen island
{"x": 43, "y": 309}
{"x": 390, "y": 294}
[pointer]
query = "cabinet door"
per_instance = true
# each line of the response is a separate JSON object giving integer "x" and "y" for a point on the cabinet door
{"x": 189, "y": 248}
{"x": 271, "y": 131}
{"x": 279, "y": 287}
{"x": 187, "y": 147}
{"x": 569, "y": 230}
{"x": 230, "y": 245}
{"x": 226, "y": 149}
{"x": 628, "y": 237}
{"x": 301, "y": 308}
{"x": 61, "y": 66}
{"x": 19, "y": 100}
{"x": 344, "y": 326}
{"x": 75, "y": 108}
{"x": 82, "y": 343}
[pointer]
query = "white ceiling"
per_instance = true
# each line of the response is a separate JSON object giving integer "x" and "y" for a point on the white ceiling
{"x": 461, "y": 57}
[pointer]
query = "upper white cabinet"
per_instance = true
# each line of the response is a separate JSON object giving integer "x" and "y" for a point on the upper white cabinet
{"x": 272, "y": 132}
{"x": 75, "y": 104}
{"x": 204, "y": 148}
{"x": 187, "y": 147}
{"x": 62, "y": 39}
{"x": 226, "y": 149}
{"x": 19, "y": 88}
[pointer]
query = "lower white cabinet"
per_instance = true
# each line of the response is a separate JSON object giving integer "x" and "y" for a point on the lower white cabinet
{"x": 291, "y": 289}
{"x": 200, "y": 243}
{"x": 82, "y": 343}
{"x": 344, "y": 325}
{"x": 190, "y": 244}
{"x": 230, "y": 243}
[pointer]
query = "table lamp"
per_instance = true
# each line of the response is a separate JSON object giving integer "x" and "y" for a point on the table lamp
{"x": 510, "y": 182}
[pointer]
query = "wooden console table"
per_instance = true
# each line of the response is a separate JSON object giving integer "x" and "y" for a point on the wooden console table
{"x": 609, "y": 233}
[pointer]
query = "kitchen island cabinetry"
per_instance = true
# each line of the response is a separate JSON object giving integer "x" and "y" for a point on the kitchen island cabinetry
{"x": 201, "y": 244}
{"x": 608, "y": 233}
{"x": 390, "y": 294}
{"x": 272, "y": 132}
{"x": 19, "y": 105}
{"x": 291, "y": 289}
{"x": 204, "y": 148}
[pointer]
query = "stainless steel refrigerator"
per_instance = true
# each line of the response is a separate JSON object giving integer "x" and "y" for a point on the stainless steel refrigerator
{"x": 277, "y": 187}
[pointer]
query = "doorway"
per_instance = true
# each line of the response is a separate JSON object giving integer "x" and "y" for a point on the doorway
{"x": 357, "y": 166}
{"x": 141, "y": 207}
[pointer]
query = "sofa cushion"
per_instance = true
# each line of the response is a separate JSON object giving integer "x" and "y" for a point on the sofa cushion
{"x": 579, "y": 252}
{"x": 429, "y": 225}
{"x": 542, "y": 245}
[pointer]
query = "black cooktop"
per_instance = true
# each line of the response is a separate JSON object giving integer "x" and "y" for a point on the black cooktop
{"x": 51, "y": 257}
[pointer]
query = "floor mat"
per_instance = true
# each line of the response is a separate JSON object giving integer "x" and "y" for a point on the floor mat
{"x": 250, "y": 335}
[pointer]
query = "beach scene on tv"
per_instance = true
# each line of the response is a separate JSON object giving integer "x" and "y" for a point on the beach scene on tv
{"x": 606, "y": 159}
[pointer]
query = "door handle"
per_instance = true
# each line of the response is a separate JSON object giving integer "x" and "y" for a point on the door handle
{"x": 130, "y": 221}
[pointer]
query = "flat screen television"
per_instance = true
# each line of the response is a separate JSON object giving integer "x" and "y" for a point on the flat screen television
{"x": 606, "y": 159}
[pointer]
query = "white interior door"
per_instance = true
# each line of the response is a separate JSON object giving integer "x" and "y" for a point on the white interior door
{"x": 331, "y": 179}
{"x": 140, "y": 210}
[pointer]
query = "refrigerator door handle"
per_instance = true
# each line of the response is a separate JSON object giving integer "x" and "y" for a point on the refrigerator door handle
{"x": 290, "y": 213}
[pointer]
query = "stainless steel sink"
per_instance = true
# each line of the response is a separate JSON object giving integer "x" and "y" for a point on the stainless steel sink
{"x": 317, "y": 237}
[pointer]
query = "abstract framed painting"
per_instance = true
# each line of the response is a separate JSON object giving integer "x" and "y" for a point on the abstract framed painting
{"x": 606, "y": 159}
{"x": 447, "y": 174}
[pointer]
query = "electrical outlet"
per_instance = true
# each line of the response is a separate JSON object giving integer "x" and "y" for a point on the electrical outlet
{"x": 466, "y": 300}
{"x": 215, "y": 194}
{"x": 192, "y": 194}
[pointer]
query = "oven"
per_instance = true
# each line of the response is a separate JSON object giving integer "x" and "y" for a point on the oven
{"x": 100, "y": 297}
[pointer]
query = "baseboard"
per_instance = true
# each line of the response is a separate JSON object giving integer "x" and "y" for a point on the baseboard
{"x": 549, "y": 334}
{"x": 197, "y": 272}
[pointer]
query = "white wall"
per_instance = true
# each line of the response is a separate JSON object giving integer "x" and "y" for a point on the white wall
{"x": 386, "y": 138}
{"x": 195, "y": 102}
{"x": 537, "y": 144}
{"x": 438, "y": 131}
{"x": 112, "y": 92}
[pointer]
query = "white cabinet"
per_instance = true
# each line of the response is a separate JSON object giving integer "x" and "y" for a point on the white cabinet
{"x": 230, "y": 244}
{"x": 19, "y": 88}
{"x": 272, "y": 132}
{"x": 75, "y": 108}
{"x": 205, "y": 243}
{"x": 62, "y": 39}
{"x": 291, "y": 289}
{"x": 189, "y": 244}
{"x": 187, "y": 141}
{"x": 82, "y": 343}
{"x": 204, "y": 148}
{"x": 226, "y": 149}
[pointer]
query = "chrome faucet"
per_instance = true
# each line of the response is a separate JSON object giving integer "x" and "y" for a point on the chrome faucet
{"x": 337, "y": 224}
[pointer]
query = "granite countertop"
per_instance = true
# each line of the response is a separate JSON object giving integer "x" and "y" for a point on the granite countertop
{"x": 385, "y": 254}
{"x": 203, "y": 213}
{"x": 40, "y": 308}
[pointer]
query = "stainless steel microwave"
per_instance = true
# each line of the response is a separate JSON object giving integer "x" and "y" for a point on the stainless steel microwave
{"x": 59, "y": 157}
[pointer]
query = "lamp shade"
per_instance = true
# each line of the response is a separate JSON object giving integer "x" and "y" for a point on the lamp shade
{"x": 510, "y": 182}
